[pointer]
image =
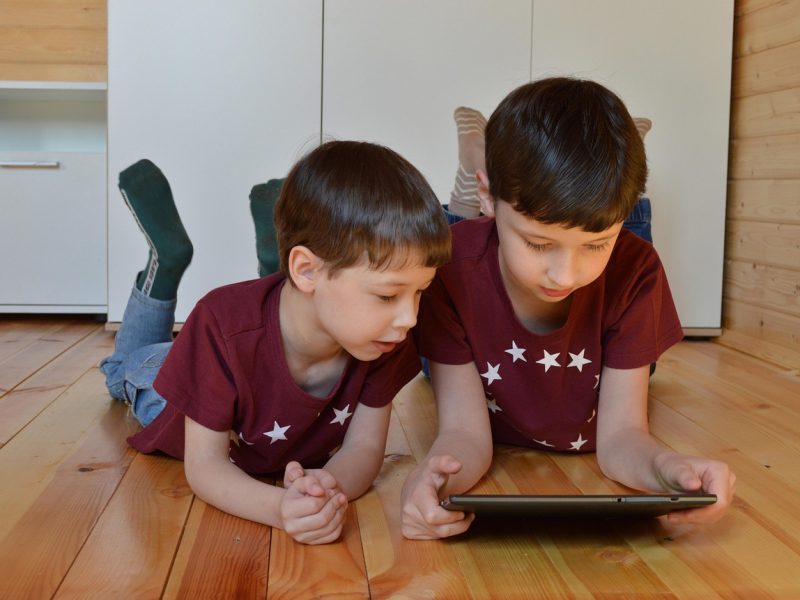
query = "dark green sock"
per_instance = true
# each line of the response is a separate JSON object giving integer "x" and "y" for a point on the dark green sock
{"x": 262, "y": 202}
{"x": 147, "y": 193}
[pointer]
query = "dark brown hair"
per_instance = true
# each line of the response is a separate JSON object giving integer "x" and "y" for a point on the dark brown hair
{"x": 345, "y": 200}
{"x": 565, "y": 151}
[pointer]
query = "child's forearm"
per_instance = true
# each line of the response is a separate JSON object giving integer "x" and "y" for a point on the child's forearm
{"x": 475, "y": 459}
{"x": 228, "y": 488}
{"x": 630, "y": 457}
{"x": 355, "y": 469}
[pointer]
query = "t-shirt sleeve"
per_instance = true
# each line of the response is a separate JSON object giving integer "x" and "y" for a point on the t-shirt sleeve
{"x": 440, "y": 333}
{"x": 643, "y": 320}
{"x": 196, "y": 378}
{"x": 387, "y": 374}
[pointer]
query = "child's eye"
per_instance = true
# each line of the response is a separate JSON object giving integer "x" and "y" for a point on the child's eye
{"x": 386, "y": 298}
{"x": 538, "y": 247}
{"x": 597, "y": 247}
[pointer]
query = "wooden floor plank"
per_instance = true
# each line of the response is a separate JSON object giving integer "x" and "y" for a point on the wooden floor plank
{"x": 398, "y": 567}
{"x": 29, "y": 398}
{"x": 220, "y": 556}
{"x": 18, "y": 334}
{"x": 131, "y": 548}
{"x": 21, "y": 365}
{"x": 298, "y": 571}
{"x": 84, "y": 516}
{"x": 29, "y": 462}
{"x": 37, "y": 552}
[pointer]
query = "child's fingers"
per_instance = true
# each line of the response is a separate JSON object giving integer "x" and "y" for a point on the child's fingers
{"x": 322, "y": 526}
{"x": 304, "y": 497}
{"x": 294, "y": 470}
{"x": 441, "y": 467}
{"x": 326, "y": 480}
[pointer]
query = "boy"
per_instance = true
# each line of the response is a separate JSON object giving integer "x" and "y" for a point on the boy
{"x": 541, "y": 329}
{"x": 277, "y": 373}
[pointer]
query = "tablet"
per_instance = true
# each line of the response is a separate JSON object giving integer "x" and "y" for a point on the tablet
{"x": 576, "y": 506}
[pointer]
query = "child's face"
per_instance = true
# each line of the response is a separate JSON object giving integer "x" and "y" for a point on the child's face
{"x": 367, "y": 311}
{"x": 549, "y": 261}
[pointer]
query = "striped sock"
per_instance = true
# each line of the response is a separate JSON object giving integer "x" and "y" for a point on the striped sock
{"x": 470, "y": 125}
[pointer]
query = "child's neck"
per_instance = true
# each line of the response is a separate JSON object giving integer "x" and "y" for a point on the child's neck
{"x": 315, "y": 361}
{"x": 537, "y": 316}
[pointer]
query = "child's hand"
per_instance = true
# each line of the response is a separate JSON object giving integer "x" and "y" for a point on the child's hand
{"x": 294, "y": 471}
{"x": 423, "y": 517}
{"x": 312, "y": 512}
{"x": 693, "y": 474}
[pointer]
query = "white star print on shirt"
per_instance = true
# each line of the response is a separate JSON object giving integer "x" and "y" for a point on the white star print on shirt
{"x": 517, "y": 352}
{"x": 596, "y": 381}
{"x": 341, "y": 415}
{"x": 549, "y": 360}
{"x": 578, "y": 361}
{"x": 277, "y": 433}
{"x": 543, "y": 442}
{"x": 492, "y": 404}
{"x": 492, "y": 373}
{"x": 576, "y": 445}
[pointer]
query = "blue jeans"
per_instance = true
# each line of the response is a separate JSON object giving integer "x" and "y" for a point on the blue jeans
{"x": 141, "y": 345}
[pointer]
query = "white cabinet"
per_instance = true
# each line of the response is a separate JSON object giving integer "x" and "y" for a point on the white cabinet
{"x": 221, "y": 97}
{"x": 394, "y": 72}
{"x": 669, "y": 62}
{"x": 52, "y": 192}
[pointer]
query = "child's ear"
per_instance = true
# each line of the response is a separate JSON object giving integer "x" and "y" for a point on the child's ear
{"x": 304, "y": 268}
{"x": 487, "y": 202}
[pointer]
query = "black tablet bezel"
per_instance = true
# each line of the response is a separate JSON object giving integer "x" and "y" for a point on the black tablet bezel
{"x": 606, "y": 505}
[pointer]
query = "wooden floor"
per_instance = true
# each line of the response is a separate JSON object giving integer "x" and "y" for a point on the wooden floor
{"x": 83, "y": 516}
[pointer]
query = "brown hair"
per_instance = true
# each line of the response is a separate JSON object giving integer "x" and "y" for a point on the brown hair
{"x": 565, "y": 151}
{"x": 345, "y": 200}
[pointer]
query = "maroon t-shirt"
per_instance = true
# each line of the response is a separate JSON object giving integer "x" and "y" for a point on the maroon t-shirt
{"x": 542, "y": 390}
{"x": 227, "y": 371}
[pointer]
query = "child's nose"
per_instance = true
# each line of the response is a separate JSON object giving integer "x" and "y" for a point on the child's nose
{"x": 563, "y": 272}
{"x": 406, "y": 316}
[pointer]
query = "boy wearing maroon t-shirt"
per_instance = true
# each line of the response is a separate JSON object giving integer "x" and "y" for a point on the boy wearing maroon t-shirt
{"x": 292, "y": 370}
{"x": 541, "y": 330}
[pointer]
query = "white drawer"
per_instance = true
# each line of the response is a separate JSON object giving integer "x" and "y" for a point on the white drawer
{"x": 52, "y": 232}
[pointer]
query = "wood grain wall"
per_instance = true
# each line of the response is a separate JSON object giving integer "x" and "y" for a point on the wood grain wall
{"x": 761, "y": 293}
{"x": 53, "y": 40}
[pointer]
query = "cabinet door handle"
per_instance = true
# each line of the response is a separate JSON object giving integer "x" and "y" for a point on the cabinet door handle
{"x": 21, "y": 164}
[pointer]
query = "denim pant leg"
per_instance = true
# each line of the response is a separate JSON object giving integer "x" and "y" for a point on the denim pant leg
{"x": 639, "y": 221}
{"x": 140, "y": 347}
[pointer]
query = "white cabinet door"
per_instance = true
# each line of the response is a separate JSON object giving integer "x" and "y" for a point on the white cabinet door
{"x": 669, "y": 62}
{"x": 395, "y": 71}
{"x": 52, "y": 232}
{"x": 221, "y": 97}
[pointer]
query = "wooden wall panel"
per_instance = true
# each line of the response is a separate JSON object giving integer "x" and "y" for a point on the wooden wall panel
{"x": 761, "y": 289}
{"x": 772, "y": 288}
{"x": 768, "y": 71}
{"x": 765, "y": 200}
{"x": 764, "y": 29}
{"x": 770, "y": 335}
{"x": 53, "y": 40}
{"x": 775, "y": 113}
{"x": 743, "y": 7}
{"x": 773, "y": 157}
